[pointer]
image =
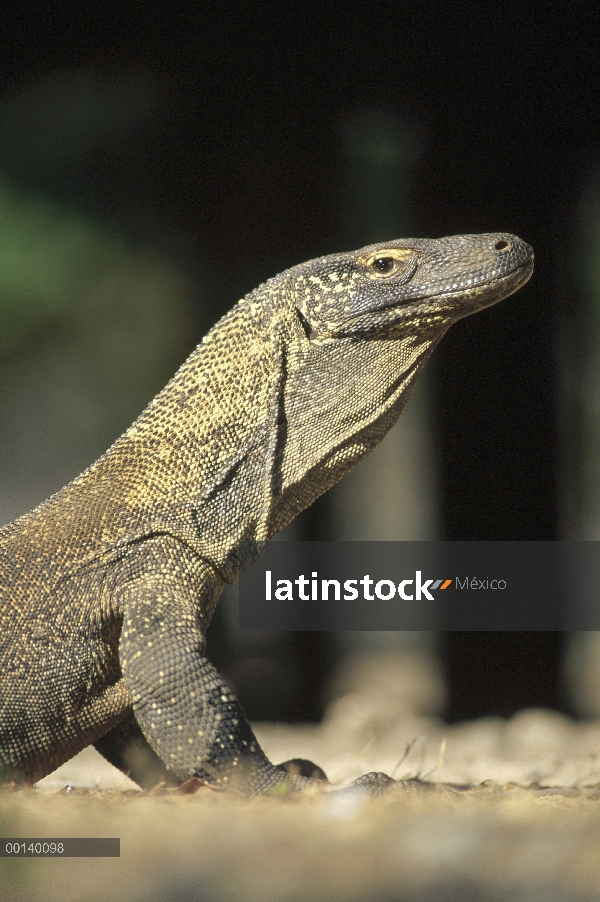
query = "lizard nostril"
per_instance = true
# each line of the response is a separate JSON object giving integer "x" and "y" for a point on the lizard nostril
{"x": 501, "y": 245}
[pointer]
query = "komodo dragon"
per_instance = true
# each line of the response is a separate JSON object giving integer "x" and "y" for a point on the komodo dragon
{"x": 107, "y": 588}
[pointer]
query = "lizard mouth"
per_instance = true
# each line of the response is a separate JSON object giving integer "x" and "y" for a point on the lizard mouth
{"x": 480, "y": 295}
{"x": 507, "y": 283}
{"x": 517, "y": 276}
{"x": 522, "y": 269}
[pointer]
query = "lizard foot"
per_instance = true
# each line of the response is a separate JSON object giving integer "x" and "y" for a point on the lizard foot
{"x": 374, "y": 784}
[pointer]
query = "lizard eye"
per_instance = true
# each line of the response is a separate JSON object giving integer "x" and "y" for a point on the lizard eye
{"x": 384, "y": 265}
{"x": 396, "y": 262}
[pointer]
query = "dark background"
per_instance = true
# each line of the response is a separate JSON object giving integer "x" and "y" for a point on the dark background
{"x": 238, "y": 162}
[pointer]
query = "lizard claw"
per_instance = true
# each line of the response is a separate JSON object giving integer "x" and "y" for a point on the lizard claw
{"x": 374, "y": 784}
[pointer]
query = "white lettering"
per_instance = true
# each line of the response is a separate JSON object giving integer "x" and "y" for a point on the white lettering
{"x": 302, "y": 582}
{"x": 350, "y": 590}
{"x": 390, "y": 587}
{"x": 423, "y": 587}
{"x": 366, "y": 581}
{"x": 325, "y": 583}
{"x": 402, "y": 593}
{"x": 315, "y": 589}
{"x": 284, "y": 590}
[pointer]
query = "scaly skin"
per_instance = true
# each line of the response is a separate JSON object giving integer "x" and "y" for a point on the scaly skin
{"x": 106, "y": 589}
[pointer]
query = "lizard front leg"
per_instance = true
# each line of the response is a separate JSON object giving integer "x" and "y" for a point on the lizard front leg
{"x": 186, "y": 711}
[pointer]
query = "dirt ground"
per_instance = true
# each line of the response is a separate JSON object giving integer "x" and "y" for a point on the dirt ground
{"x": 505, "y": 810}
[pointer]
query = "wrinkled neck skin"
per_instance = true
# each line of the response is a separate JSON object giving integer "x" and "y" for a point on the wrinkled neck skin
{"x": 341, "y": 397}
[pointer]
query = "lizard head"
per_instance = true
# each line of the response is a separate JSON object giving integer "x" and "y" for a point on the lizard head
{"x": 406, "y": 285}
{"x": 360, "y": 327}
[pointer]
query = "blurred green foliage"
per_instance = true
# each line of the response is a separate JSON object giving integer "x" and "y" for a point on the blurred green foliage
{"x": 92, "y": 324}
{"x": 45, "y": 255}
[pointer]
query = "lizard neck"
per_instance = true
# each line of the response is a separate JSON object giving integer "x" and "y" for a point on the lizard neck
{"x": 240, "y": 441}
{"x": 244, "y": 436}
